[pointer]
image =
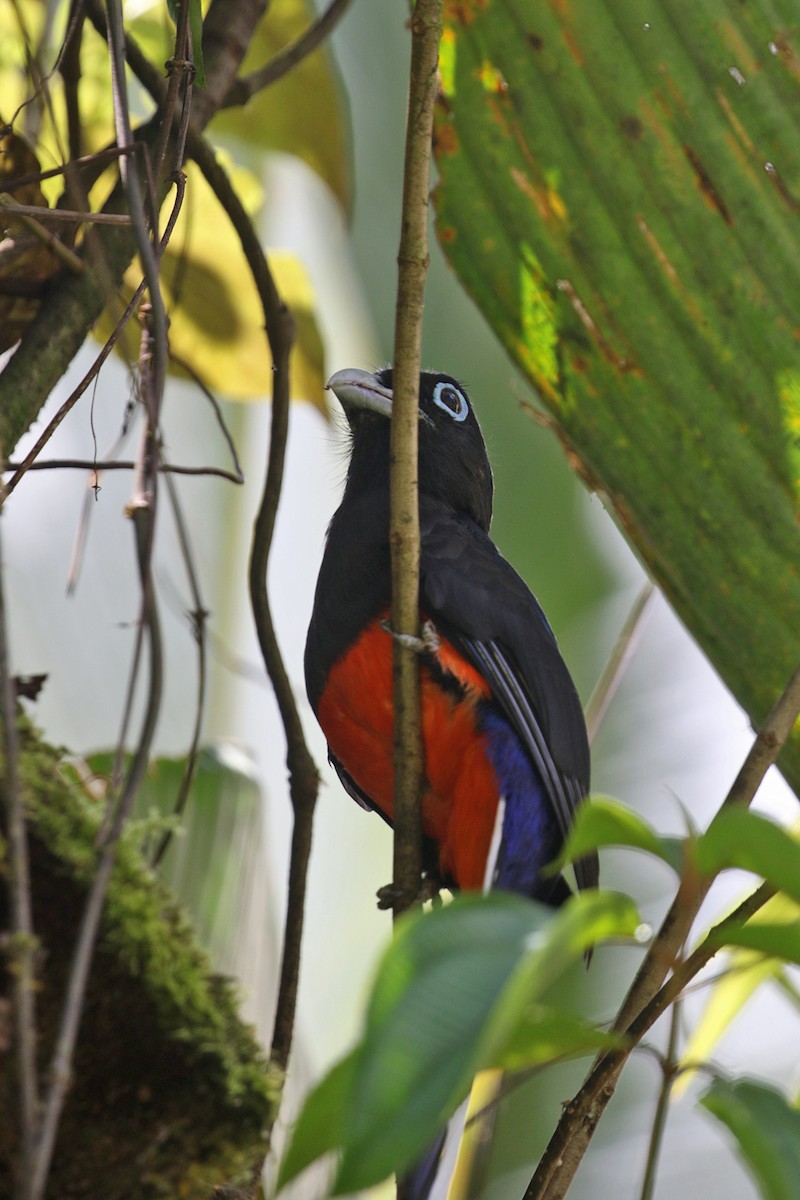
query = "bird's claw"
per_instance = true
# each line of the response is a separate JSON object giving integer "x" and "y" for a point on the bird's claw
{"x": 389, "y": 894}
{"x": 428, "y": 643}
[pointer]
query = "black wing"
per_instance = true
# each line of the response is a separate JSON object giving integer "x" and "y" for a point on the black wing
{"x": 484, "y": 607}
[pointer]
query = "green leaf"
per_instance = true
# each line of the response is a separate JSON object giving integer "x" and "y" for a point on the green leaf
{"x": 740, "y": 838}
{"x": 767, "y": 1130}
{"x": 778, "y": 941}
{"x": 619, "y": 196}
{"x": 544, "y": 1035}
{"x": 587, "y": 919}
{"x": 744, "y": 973}
{"x": 320, "y": 1127}
{"x": 434, "y": 991}
{"x": 460, "y": 989}
{"x": 603, "y": 821}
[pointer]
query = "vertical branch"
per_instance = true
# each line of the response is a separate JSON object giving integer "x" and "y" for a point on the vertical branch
{"x": 133, "y": 192}
{"x": 23, "y": 946}
{"x": 412, "y": 259}
{"x": 668, "y": 1068}
{"x": 303, "y": 778}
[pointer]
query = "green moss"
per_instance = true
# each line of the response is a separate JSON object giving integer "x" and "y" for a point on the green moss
{"x": 171, "y": 1093}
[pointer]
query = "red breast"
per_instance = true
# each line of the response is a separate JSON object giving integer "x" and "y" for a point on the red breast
{"x": 461, "y": 792}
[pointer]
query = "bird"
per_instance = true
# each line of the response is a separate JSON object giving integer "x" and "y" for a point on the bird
{"x": 502, "y": 725}
{"x": 505, "y": 749}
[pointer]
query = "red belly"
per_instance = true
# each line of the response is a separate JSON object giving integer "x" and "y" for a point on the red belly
{"x": 461, "y": 792}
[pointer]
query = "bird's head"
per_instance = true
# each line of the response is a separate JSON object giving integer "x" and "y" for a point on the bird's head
{"x": 453, "y": 463}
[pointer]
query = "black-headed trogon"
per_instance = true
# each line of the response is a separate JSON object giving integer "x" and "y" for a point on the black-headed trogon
{"x": 500, "y": 714}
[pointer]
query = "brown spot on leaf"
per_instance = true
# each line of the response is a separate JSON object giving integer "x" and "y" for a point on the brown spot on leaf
{"x": 781, "y": 188}
{"x": 572, "y": 46}
{"x": 620, "y": 362}
{"x": 706, "y": 185}
{"x": 548, "y": 202}
{"x": 785, "y": 52}
{"x": 669, "y": 269}
{"x": 462, "y": 12}
{"x": 536, "y": 41}
{"x": 445, "y": 139}
{"x": 631, "y": 126}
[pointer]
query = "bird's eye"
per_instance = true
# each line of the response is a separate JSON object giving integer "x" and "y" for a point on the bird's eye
{"x": 453, "y": 401}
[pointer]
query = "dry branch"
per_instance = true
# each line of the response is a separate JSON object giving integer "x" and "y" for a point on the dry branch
{"x": 412, "y": 259}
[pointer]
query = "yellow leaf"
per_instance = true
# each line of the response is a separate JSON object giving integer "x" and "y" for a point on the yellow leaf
{"x": 745, "y": 972}
{"x": 216, "y": 319}
{"x": 301, "y": 114}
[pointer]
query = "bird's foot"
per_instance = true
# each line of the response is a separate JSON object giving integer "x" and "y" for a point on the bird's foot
{"x": 389, "y": 894}
{"x": 428, "y": 643}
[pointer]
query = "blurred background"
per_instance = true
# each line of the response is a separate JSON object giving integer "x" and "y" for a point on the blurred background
{"x": 669, "y": 747}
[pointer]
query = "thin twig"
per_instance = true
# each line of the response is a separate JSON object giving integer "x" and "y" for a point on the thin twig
{"x": 97, "y": 161}
{"x": 647, "y": 998}
{"x": 23, "y": 946}
{"x": 618, "y": 661}
{"x": 63, "y": 215}
{"x": 72, "y": 399}
{"x": 70, "y": 67}
{"x": 245, "y": 88}
{"x": 303, "y": 776}
{"x": 694, "y": 963}
{"x": 668, "y": 1069}
{"x": 199, "y": 382}
{"x": 147, "y": 253}
{"x": 40, "y": 80}
{"x": 198, "y": 616}
{"x": 180, "y": 70}
{"x": 412, "y": 259}
{"x": 97, "y": 468}
{"x": 68, "y": 258}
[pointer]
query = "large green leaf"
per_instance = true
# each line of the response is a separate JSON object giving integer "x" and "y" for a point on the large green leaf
{"x": 740, "y": 838}
{"x": 619, "y": 192}
{"x": 604, "y": 821}
{"x": 460, "y": 989}
{"x": 766, "y": 1129}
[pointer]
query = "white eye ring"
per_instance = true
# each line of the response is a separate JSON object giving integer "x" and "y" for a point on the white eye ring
{"x": 446, "y": 396}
